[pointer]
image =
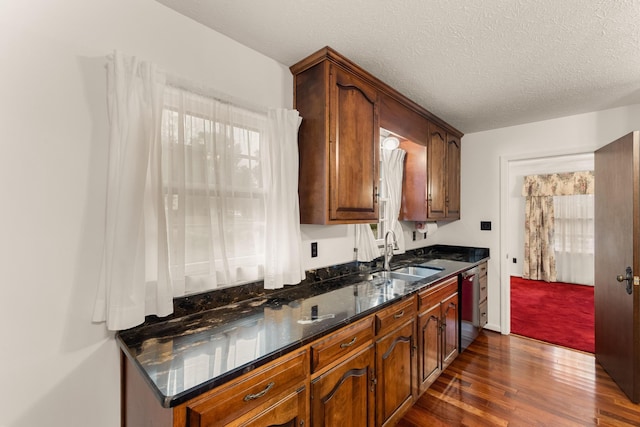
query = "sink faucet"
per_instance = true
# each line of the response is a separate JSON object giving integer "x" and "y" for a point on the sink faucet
{"x": 388, "y": 249}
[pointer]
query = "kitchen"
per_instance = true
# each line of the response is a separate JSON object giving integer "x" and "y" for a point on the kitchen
{"x": 55, "y": 361}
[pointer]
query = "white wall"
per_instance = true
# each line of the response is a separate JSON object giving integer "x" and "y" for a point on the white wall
{"x": 482, "y": 156}
{"x": 57, "y": 368}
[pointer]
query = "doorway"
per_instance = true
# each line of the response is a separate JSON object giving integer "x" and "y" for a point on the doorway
{"x": 513, "y": 170}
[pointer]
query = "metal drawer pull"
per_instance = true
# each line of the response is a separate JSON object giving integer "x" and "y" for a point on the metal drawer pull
{"x": 398, "y": 315}
{"x": 249, "y": 397}
{"x": 348, "y": 344}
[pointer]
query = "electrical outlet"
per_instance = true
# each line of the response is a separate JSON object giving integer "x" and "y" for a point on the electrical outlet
{"x": 515, "y": 261}
{"x": 485, "y": 225}
{"x": 314, "y": 249}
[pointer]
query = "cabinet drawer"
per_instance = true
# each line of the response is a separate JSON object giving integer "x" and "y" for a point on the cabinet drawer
{"x": 395, "y": 315}
{"x": 432, "y": 296}
{"x": 341, "y": 343}
{"x": 259, "y": 388}
{"x": 482, "y": 294}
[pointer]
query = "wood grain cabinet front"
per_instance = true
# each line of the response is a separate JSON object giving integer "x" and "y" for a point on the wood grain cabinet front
{"x": 437, "y": 331}
{"x": 443, "y": 170}
{"x": 335, "y": 346}
{"x": 345, "y": 394}
{"x": 395, "y": 360}
{"x": 275, "y": 395}
{"x": 338, "y": 140}
{"x": 431, "y": 187}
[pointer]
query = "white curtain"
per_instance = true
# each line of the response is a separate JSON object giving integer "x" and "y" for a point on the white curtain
{"x": 392, "y": 170}
{"x": 283, "y": 262}
{"x": 366, "y": 246}
{"x": 574, "y": 238}
{"x": 214, "y": 190}
{"x": 197, "y": 190}
{"x": 134, "y": 279}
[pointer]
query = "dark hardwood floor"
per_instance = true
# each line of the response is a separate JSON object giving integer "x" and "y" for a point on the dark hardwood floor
{"x": 507, "y": 380}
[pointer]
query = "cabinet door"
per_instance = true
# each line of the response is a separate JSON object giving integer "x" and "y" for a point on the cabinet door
{"x": 450, "y": 329}
{"x": 395, "y": 374}
{"x": 291, "y": 411}
{"x": 414, "y": 183}
{"x": 436, "y": 171}
{"x": 429, "y": 345}
{"x": 354, "y": 147}
{"x": 345, "y": 395}
{"x": 453, "y": 177}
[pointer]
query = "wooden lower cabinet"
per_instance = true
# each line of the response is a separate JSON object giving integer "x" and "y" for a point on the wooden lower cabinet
{"x": 290, "y": 411}
{"x": 437, "y": 331}
{"x": 429, "y": 345}
{"x": 395, "y": 369}
{"x": 273, "y": 395}
{"x": 344, "y": 395}
{"x": 449, "y": 307}
{"x": 368, "y": 373}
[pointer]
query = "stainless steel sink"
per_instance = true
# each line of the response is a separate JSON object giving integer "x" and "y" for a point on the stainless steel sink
{"x": 421, "y": 272}
{"x": 408, "y": 274}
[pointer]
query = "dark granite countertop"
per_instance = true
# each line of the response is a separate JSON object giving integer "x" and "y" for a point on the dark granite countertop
{"x": 212, "y": 338}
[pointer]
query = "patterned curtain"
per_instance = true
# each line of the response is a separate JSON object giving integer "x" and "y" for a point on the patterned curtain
{"x": 539, "y": 255}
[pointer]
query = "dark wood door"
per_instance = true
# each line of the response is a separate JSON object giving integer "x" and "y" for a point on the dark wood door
{"x": 450, "y": 329}
{"x": 345, "y": 395}
{"x": 617, "y": 333}
{"x": 414, "y": 182}
{"x": 354, "y": 148}
{"x": 430, "y": 347}
{"x": 437, "y": 170}
{"x": 395, "y": 374}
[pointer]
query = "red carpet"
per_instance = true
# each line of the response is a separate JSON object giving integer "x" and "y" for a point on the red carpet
{"x": 558, "y": 313}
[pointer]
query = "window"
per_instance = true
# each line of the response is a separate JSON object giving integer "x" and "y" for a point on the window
{"x": 574, "y": 238}
{"x": 214, "y": 197}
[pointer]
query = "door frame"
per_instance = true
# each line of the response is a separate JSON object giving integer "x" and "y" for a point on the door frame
{"x": 505, "y": 211}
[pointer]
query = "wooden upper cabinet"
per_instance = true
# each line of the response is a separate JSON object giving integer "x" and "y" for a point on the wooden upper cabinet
{"x": 431, "y": 182}
{"x": 338, "y": 141}
{"x": 413, "y": 206}
{"x": 437, "y": 173}
{"x": 354, "y": 148}
{"x": 444, "y": 175}
{"x": 343, "y": 108}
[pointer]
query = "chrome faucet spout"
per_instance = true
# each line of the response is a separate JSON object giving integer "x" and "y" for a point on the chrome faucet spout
{"x": 388, "y": 249}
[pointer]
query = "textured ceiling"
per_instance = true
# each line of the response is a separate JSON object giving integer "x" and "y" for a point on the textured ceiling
{"x": 476, "y": 64}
